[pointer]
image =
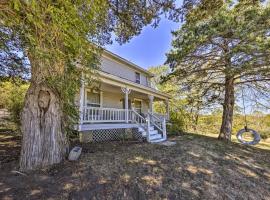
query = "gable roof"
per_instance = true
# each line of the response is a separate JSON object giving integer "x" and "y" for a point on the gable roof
{"x": 125, "y": 61}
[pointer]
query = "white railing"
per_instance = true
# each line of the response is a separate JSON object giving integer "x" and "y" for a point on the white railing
{"x": 97, "y": 114}
{"x": 155, "y": 121}
{"x": 161, "y": 116}
{"x": 160, "y": 124}
{"x": 138, "y": 119}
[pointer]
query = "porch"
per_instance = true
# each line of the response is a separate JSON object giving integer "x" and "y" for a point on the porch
{"x": 111, "y": 120}
{"x": 112, "y": 106}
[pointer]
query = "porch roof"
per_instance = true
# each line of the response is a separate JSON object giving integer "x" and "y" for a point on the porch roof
{"x": 121, "y": 82}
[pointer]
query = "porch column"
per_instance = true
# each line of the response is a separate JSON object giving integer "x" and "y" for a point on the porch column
{"x": 127, "y": 92}
{"x": 81, "y": 106}
{"x": 167, "y": 109}
{"x": 151, "y": 99}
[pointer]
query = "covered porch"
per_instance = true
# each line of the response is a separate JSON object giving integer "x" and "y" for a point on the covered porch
{"x": 116, "y": 104}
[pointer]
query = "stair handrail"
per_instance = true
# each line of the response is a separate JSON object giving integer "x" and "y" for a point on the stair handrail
{"x": 161, "y": 125}
{"x": 161, "y": 116}
{"x": 142, "y": 122}
{"x": 148, "y": 124}
{"x": 157, "y": 125}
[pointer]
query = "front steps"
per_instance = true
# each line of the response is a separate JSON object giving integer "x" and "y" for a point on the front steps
{"x": 154, "y": 136}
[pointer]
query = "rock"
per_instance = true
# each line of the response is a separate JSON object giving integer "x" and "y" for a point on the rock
{"x": 168, "y": 143}
{"x": 75, "y": 153}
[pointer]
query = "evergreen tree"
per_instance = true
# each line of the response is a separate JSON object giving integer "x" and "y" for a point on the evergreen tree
{"x": 221, "y": 48}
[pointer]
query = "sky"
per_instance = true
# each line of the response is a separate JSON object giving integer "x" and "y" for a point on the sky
{"x": 149, "y": 48}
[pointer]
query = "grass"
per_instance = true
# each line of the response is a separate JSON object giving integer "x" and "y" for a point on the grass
{"x": 197, "y": 167}
{"x": 264, "y": 143}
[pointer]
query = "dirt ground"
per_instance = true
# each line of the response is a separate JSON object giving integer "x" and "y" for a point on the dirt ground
{"x": 197, "y": 167}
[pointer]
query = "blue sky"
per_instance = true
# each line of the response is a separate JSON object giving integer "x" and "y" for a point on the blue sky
{"x": 149, "y": 48}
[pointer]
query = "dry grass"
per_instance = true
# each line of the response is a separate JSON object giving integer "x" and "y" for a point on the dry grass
{"x": 264, "y": 143}
{"x": 197, "y": 167}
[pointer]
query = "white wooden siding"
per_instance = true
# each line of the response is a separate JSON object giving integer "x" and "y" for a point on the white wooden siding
{"x": 112, "y": 100}
{"x": 121, "y": 70}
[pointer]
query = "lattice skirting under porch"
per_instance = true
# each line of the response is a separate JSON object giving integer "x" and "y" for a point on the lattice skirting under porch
{"x": 111, "y": 135}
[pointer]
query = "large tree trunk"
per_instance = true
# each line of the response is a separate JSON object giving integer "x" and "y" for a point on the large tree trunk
{"x": 44, "y": 141}
{"x": 228, "y": 106}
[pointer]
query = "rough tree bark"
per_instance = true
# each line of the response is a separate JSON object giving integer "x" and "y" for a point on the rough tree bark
{"x": 228, "y": 106}
{"x": 44, "y": 141}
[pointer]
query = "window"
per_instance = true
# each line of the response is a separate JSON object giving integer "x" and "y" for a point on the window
{"x": 137, "y": 77}
{"x": 92, "y": 99}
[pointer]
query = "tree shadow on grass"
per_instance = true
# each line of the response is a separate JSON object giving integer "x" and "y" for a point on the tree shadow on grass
{"x": 197, "y": 167}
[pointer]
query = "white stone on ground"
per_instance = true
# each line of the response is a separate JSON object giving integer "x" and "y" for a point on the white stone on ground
{"x": 75, "y": 153}
{"x": 168, "y": 143}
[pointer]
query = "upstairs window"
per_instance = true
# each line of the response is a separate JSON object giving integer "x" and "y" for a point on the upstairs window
{"x": 137, "y": 77}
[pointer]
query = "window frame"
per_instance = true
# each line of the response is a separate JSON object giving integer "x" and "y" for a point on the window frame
{"x": 138, "y": 77}
{"x": 98, "y": 105}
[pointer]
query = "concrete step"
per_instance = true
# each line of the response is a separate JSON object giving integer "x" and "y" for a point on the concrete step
{"x": 158, "y": 140}
{"x": 140, "y": 129}
{"x": 155, "y": 136}
{"x": 151, "y": 128}
{"x": 153, "y": 132}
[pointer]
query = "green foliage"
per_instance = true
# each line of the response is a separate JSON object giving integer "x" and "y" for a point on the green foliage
{"x": 176, "y": 123}
{"x": 219, "y": 50}
{"x": 231, "y": 42}
{"x": 178, "y": 116}
{"x": 210, "y": 124}
{"x": 63, "y": 39}
{"x": 12, "y": 98}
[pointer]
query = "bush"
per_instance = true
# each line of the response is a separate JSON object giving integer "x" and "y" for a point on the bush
{"x": 265, "y": 134}
{"x": 12, "y": 98}
{"x": 176, "y": 123}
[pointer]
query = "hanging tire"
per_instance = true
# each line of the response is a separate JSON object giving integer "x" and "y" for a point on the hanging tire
{"x": 256, "y": 136}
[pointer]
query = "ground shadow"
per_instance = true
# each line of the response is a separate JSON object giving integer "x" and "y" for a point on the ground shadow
{"x": 197, "y": 167}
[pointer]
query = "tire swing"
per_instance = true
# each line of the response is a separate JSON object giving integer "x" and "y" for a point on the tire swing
{"x": 256, "y": 135}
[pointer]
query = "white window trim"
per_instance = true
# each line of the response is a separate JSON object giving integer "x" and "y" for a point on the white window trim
{"x": 139, "y": 80}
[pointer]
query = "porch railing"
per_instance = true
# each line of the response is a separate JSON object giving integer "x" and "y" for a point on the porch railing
{"x": 161, "y": 116}
{"x": 96, "y": 114}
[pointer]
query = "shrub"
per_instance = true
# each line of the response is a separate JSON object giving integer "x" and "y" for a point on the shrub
{"x": 176, "y": 123}
{"x": 12, "y": 98}
{"x": 265, "y": 134}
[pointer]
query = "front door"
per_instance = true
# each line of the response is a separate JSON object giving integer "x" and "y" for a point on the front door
{"x": 138, "y": 106}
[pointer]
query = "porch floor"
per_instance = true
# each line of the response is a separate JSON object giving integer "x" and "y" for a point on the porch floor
{"x": 108, "y": 125}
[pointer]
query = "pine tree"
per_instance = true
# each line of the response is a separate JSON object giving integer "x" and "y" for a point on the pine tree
{"x": 217, "y": 51}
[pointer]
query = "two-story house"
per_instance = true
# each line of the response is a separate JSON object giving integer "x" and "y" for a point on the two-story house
{"x": 123, "y": 102}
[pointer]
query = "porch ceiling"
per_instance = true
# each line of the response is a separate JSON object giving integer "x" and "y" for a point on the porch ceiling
{"x": 133, "y": 94}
